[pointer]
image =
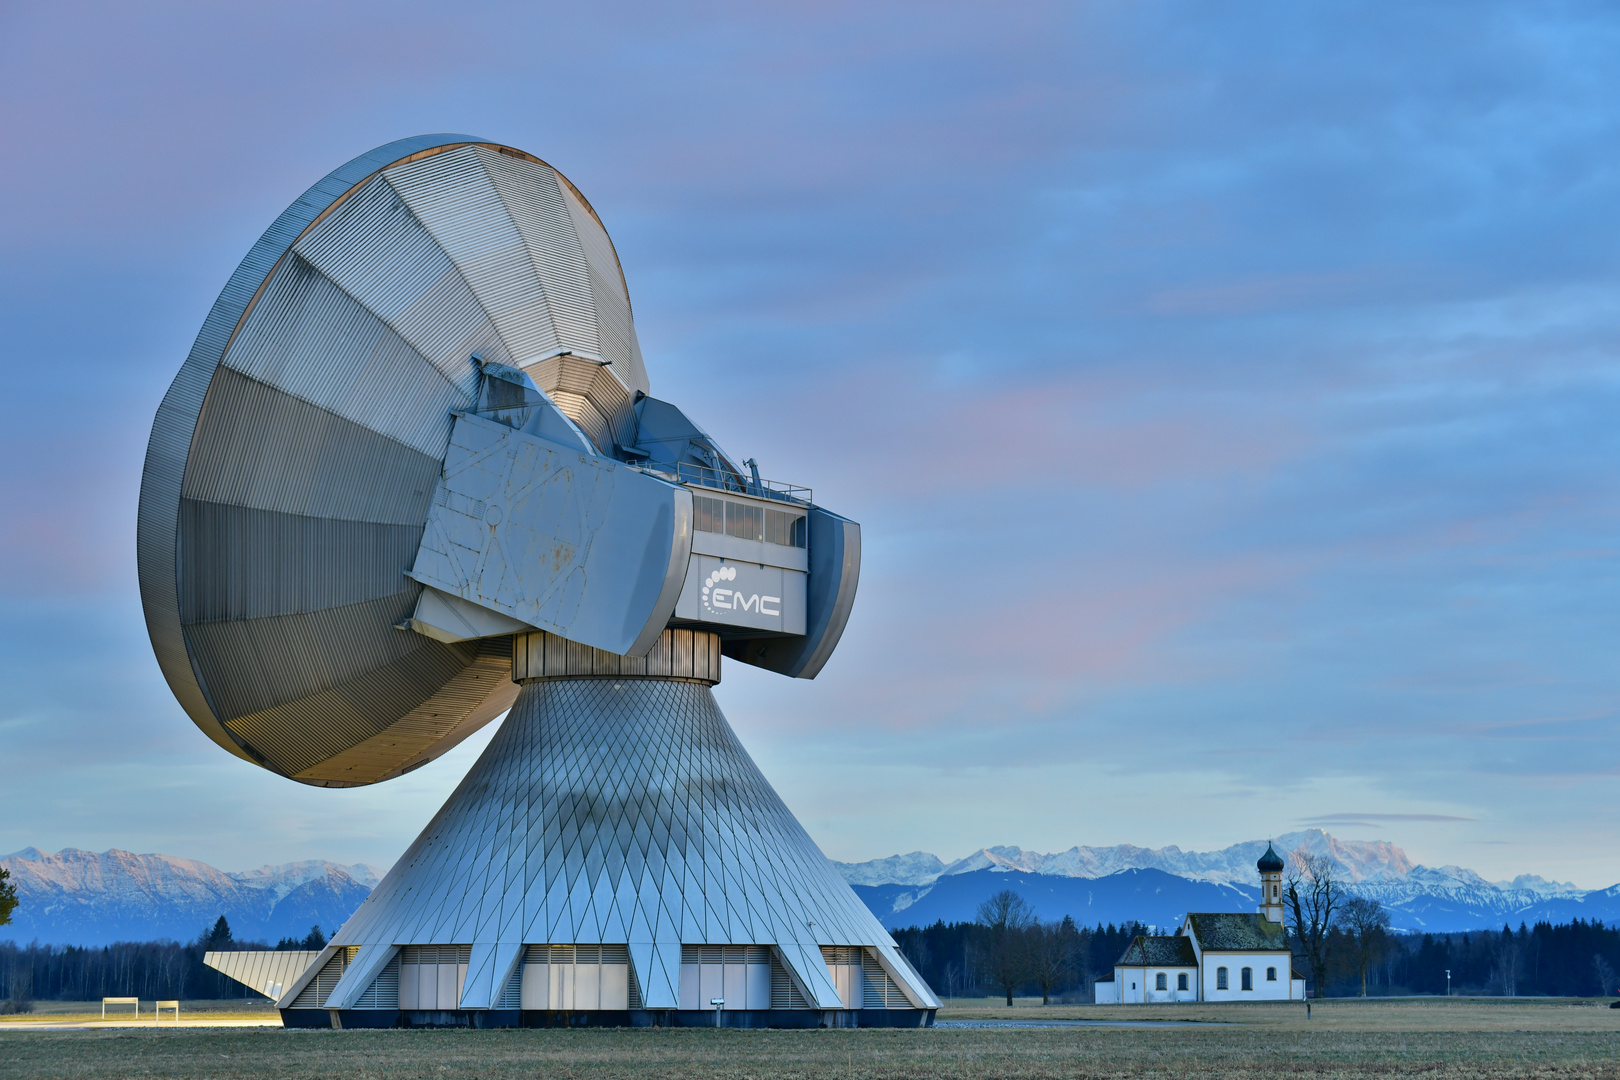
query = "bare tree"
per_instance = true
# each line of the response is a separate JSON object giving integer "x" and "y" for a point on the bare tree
{"x": 1313, "y": 894}
{"x": 1366, "y": 923}
{"x": 1053, "y": 950}
{"x": 1606, "y": 979}
{"x": 8, "y": 896}
{"x": 1005, "y": 917}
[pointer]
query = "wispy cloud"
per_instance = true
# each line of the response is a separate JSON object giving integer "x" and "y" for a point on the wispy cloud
{"x": 1226, "y": 394}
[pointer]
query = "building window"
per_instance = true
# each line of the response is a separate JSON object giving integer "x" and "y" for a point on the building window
{"x": 784, "y": 528}
{"x": 745, "y": 522}
{"x": 1271, "y": 974}
{"x": 1220, "y": 978}
{"x": 1248, "y": 978}
{"x": 748, "y": 522}
{"x": 1159, "y": 982}
{"x": 1181, "y": 981}
{"x": 708, "y": 515}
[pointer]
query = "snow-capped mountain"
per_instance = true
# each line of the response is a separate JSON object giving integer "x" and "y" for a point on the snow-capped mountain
{"x": 87, "y": 898}
{"x": 1419, "y": 897}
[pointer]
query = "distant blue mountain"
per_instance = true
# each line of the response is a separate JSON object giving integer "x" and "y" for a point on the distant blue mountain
{"x": 1146, "y": 896}
{"x": 1156, "y": 898}
{"x": 87, "y": 898}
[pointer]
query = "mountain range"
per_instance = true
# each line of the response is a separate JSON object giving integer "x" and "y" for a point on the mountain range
{"x": 84, "y": 898}
{"x": 1158, "y": 885}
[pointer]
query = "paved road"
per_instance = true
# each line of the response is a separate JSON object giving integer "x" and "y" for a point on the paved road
{"x": 1070, "y": 1023}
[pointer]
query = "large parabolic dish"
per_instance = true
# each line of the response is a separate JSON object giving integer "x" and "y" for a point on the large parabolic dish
{"x": 412, "y": 477}
{"x": 293, "y": 463}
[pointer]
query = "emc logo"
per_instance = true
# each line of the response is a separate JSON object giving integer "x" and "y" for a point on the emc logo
{"x": 718, "y": 599}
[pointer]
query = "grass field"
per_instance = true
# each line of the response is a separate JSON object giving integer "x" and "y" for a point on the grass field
{"x": 1429, "y": 1038}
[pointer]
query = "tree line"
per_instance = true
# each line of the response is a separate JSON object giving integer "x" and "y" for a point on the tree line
{"x": 1008, "y": 950}
{"x": 1343, "y": 943}
{"x": 145, "y": 969}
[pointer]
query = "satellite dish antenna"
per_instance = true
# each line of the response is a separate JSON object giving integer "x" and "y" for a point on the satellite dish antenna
{"x": 411, "y": 477}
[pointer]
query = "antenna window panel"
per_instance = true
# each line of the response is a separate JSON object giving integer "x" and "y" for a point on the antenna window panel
{"x": 749, "y": 532}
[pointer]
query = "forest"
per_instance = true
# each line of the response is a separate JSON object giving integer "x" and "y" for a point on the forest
{"x": 145, "y": 969}
{"x": 1004, "y": 951}
{"x": 1059, "y": 960}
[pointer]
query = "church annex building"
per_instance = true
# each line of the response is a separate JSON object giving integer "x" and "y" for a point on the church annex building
{"x": 1212, "y": 956}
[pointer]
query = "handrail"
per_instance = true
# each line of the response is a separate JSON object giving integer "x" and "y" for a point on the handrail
{"x": 684, "y": 472}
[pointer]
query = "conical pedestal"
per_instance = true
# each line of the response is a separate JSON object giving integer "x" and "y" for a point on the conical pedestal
{"x": 615, "y": 856}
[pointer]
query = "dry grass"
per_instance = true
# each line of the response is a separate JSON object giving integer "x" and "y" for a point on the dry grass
{"x": 1430, "y": 1039}
{"x": 1334, "y": 1014}
{"x": 228, "y": 1008}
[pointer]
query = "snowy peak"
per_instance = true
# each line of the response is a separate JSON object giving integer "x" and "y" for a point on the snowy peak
{"x": 1367, "y": 865}
{"x": 917, "y": 868}
{"x": 283, "y": 879}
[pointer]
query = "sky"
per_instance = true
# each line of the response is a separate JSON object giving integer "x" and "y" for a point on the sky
{"x": 1227, "y": 394}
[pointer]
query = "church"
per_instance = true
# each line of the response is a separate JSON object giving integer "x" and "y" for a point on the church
{"x": 1212, "y": 956}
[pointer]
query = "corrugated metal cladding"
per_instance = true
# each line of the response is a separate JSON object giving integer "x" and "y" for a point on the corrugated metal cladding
{"x": 268, "y": 972}
{"x": 318, "y": 989}
{"x": 680, "y": 654}
{"x": 175, "y": 425}
{"x": 292, "y": 464}
{"x": 566, "y": 831}
{"x": 587, "y": 395}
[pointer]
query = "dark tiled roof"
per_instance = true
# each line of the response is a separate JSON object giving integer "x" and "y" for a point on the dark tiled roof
{"x": 1237, "y": 933}
{"x": 1158, "y": 951}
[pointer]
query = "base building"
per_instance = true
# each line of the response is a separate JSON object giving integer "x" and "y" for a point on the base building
{"x": 615, "y": 857}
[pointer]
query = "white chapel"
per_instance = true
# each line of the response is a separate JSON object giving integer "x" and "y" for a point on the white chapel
{"x": 1212, "y": 956}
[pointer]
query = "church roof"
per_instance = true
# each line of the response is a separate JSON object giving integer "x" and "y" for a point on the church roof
{"x": 1270, "y": 862}
{"x": 1158, "y": 950}
{"x": 1232, "y": 932}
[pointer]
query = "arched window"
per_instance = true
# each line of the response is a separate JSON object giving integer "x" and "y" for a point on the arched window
{"x": 1220, "y": 978}
{"x": 1271, "y": 974}
{"x": 1248, "y": 978}
{"x": 1181, "y": 981}
{"x": 1159, "y": 982}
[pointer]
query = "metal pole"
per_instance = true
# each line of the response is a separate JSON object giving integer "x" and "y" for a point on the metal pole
{"x": 719, "y": 1004}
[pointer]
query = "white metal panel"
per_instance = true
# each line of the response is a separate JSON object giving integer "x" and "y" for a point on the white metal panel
{"x": 711, "y": 984}
{"x": 536, "y": 986}
{"x": 691, "y": 986}
{"x": 562, "y": 986}
{"x": 374, "y": 249}
{"x": 534, "y": 199}
{"x": 615, "y": 322}
{"x": 453, "y": 196}
{"x": 587, "y": 986}
{"x": 615, "y": 986}
{"x": 759, "y": 985}
{"x": 736, "y": 986}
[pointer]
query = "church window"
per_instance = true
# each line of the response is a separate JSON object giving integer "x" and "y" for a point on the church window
{"x": 1248, "y": 978}
{"x": 1220, "y": 978}
{"x": 1159, "y": 982}
{"x": 1271, "y": 974}
{"x": 1181, "y": 981}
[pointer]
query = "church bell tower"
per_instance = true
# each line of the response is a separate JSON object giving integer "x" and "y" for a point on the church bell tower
{"x": 1271, "y": 868}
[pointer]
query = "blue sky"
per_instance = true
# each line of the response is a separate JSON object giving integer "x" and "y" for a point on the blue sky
{"x": 1227, "y": 393}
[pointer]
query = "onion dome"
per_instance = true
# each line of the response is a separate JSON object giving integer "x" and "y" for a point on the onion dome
{"x": 1270, "y": 862}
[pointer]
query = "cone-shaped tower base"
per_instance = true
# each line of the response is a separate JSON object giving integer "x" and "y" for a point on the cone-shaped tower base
{"x": 614, "y": 857}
